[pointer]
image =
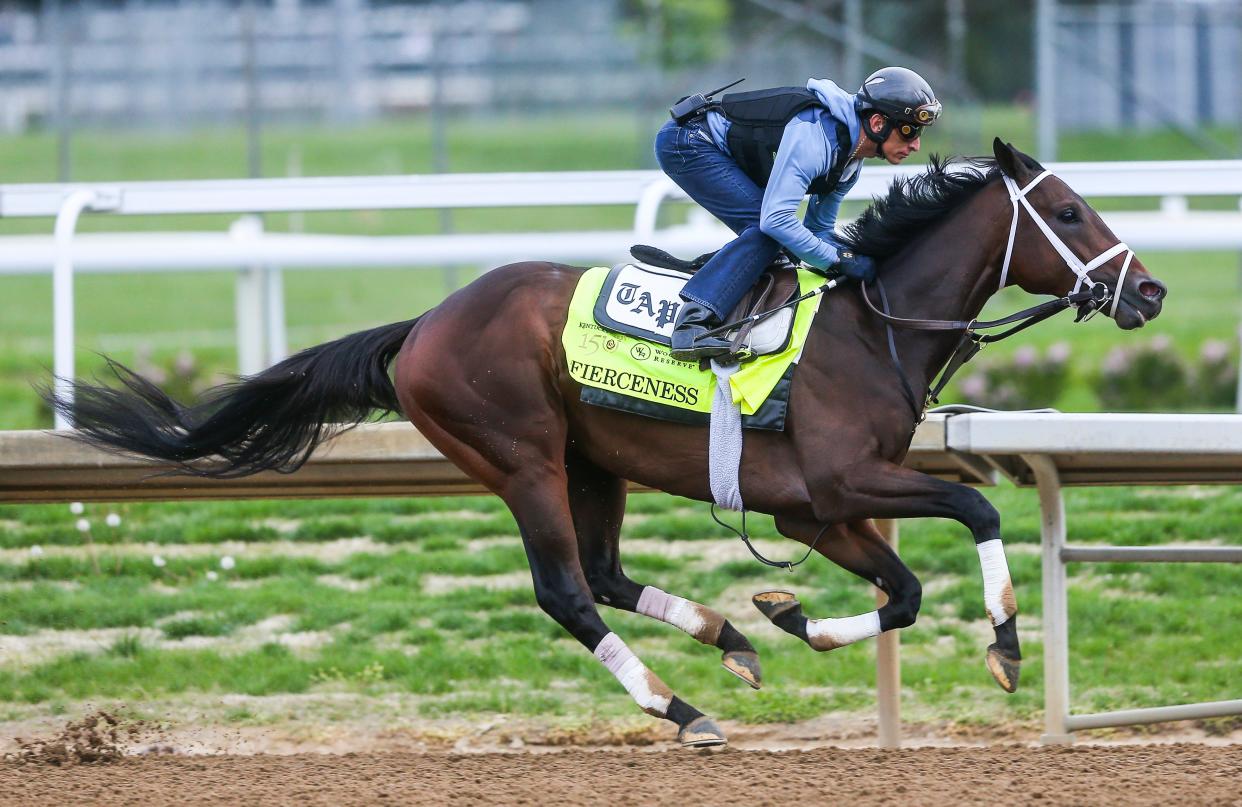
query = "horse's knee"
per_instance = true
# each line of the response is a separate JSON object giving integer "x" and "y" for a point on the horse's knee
{"x": 903, "y": 606}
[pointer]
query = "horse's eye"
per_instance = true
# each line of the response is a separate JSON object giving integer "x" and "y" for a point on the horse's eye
{"x": 1069, "y": 215}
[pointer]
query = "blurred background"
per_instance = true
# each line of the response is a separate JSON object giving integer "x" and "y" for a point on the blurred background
{"x": 79, "y": 70}
{"x": 380, "y": 613}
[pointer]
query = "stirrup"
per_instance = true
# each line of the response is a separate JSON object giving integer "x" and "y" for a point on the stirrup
{"x": 701, "y": 347}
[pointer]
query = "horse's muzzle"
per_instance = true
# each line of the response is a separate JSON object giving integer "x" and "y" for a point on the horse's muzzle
{"x": 1141, "y": 301}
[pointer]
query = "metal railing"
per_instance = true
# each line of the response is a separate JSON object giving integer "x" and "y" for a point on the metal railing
{"x": 1059, "y": 720}
{"x": 1050, "y": 451}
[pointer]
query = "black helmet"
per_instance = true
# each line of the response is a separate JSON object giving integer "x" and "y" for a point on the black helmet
{"x": 901, "y": 96}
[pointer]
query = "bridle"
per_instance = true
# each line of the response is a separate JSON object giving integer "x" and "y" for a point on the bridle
{"x": 1075, "y": 265}
{"x": 1088, "y": 301}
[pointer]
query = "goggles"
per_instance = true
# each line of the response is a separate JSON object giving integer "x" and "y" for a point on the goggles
{"x": 908, "y": 132}
{"x": 911, "y": 127}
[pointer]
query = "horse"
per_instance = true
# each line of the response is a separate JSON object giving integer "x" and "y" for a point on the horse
{"x": 483, "y": 376}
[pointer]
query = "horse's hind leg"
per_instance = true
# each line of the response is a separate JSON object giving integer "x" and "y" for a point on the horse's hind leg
{"x": 857, "y": 547}
{"x": 597, "y": 501}
{"x": 532, "y": 481}
{"x": 539, "y": 503}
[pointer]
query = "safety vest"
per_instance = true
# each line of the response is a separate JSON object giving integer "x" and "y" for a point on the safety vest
{"x": 758, "y": 121}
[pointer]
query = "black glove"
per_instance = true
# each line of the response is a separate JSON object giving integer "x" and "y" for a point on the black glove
{"x": 858, "y": 267}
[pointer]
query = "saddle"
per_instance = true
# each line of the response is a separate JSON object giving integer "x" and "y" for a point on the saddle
{"x": 776, "y": 287}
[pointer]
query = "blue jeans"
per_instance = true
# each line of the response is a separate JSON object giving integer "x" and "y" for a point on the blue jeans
{"x": 711, "y": 178}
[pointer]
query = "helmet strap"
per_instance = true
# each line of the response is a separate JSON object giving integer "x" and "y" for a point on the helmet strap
{"x": 880, "y": 137}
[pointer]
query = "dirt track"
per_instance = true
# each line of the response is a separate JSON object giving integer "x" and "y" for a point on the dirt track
{"x": 1001, "y": 775}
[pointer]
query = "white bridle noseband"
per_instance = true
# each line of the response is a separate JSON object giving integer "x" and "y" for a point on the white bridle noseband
{"x": 1071, "y": 260}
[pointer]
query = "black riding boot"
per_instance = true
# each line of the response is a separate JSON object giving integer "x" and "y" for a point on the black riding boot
{"x": 689, "y": 344}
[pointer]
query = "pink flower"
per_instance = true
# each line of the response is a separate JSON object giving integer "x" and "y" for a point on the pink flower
{"x": 1117, "y": 361}
{"x": 1025, "y": 357}
{"x": 1059, "y": 352}
{"x": 1213, "y": 351}
{"x": 975, "y": 386}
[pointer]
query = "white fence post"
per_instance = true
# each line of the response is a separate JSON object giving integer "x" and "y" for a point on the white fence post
{"x": 274, "y": 316}
{"x": 1056, "y": 606}
{"x": 62, "y": 296}
{"x": 888, "y": 664}
{"x": 647, "y": 210}
{"x": 248, "y": 302}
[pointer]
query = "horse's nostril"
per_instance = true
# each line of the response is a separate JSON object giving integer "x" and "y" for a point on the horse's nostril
{"x": 1152, "y": 289}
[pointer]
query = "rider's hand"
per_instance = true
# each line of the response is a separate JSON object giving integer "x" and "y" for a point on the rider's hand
{"x": 858, "y": 267}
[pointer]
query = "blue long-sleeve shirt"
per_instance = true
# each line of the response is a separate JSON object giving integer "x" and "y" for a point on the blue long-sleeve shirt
{"x": 807, "y": 149}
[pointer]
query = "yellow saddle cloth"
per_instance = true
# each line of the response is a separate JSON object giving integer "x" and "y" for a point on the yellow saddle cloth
{"x": 623, "y": 371}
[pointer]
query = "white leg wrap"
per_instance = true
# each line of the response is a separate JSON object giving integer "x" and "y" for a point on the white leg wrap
{"x": 701, "y": 623}
{"x": 648, "y": 691}
{"x": 827, "y": 634}
{"x": 997, "y": 587}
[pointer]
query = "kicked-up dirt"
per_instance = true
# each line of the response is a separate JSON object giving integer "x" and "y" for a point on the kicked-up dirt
{"x": 1178, "y": 774}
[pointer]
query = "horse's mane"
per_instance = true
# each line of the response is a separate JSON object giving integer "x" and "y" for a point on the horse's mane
{"x": 916, "y": 202}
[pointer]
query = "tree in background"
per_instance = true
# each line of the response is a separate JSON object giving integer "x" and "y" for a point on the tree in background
{"x": 997, "y": 58}
{"x": 689, "y": 33}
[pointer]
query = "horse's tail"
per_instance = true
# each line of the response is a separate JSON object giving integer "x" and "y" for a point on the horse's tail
{"x": 272, "y": 420}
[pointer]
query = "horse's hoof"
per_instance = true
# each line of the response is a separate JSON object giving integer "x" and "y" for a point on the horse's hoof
{"x": 745, "y": 665}
{"x": 775, "y": 603}
{"x": 1003, "y": 668}
{"x": 702, "y": 732}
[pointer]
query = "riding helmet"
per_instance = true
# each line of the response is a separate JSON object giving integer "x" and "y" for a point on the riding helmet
{"x": 901, "y": 95}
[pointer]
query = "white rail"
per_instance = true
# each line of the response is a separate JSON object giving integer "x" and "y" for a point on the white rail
{"x": 259, "y": 255}
{"x": 1157, "y": 179}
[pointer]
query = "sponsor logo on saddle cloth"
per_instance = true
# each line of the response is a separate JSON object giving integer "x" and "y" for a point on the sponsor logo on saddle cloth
{"x": 618, "y": 332}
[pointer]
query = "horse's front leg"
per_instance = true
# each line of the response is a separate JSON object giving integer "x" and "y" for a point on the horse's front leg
{"x": 859, "y": 548}
{"x": 886, "y": 490}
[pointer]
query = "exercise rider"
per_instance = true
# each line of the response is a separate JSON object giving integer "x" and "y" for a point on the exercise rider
{"x": 750, "y": 157}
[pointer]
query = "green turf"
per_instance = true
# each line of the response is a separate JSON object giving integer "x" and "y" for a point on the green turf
{"x": 390, "y": 634}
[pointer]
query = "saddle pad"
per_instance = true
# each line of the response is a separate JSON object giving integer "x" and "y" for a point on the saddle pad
{"x": 643, "y": 301}
{"x": 624, "y": 371}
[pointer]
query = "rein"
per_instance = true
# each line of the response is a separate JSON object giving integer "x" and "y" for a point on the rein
{"x": 972, "y": 341}
{"x": 755, "y": 318}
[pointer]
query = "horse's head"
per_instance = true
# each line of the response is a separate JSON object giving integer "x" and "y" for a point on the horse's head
{"x": 1069, "y": 248}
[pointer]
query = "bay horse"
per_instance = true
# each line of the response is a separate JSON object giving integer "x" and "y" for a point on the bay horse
{"x": 483, "y": 376}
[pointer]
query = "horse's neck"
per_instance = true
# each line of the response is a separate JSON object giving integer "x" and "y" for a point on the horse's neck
{"x": 948, "y": 273}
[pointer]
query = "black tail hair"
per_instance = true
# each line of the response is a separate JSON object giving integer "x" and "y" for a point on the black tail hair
{"x": 269, "y": 421}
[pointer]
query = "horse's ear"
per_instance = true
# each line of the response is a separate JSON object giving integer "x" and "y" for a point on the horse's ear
{"x": 1010, "y": 160}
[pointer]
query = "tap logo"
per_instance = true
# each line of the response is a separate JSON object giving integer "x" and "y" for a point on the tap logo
{"x": 662, "y": 312}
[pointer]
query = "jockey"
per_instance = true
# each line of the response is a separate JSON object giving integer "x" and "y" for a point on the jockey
{"x": 750, "y": 157}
